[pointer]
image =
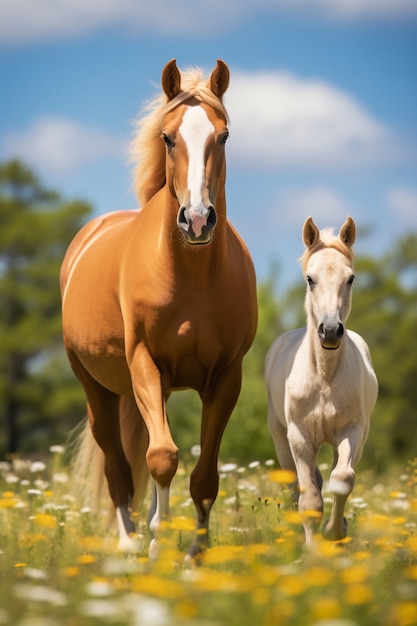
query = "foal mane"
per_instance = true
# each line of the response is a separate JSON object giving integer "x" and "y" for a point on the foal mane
{"x": 327, "y": 240}
{"x": 147, "y": 151}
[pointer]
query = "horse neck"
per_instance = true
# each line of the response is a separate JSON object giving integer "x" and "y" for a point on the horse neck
{"x": 202, "y": 261}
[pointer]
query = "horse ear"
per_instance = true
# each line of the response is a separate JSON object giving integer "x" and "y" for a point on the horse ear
{"x": 219, "y": 79}
{"x": 347, "y": 233}
{"x": 171, "y": 79}
{"x": 311, "y": 233}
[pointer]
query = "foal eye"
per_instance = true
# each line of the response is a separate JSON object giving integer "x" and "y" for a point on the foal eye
{"x": 310, "y": 281}
{"x": 351, "y": 279}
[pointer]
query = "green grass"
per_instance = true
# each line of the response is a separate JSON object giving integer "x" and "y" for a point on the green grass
{"x": 59, "y": 566}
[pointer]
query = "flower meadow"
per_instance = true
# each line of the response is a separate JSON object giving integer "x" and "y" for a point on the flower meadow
{"x": 59, "y": 564}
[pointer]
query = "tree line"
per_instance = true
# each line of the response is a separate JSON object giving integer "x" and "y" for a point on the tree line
{"x": 41, "y": 400}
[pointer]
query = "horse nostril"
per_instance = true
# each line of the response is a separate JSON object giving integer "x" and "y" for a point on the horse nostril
{"x": 212, "y": 217}
{"x": 340, "y": 330}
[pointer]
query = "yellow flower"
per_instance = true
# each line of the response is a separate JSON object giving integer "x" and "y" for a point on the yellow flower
{"x": 326, "y": 609}
{"x": 412, "y": 543}
{"x": 182, "y": 523}
{"x": 293, "y": 517}
{"x": 45, "y": 520}
{"x": 282, "y": 476}
{"x": 71, "y": 571}
{"x": 355, "y": 574}
{"x": 404, "y": 614}
{"x": 210, "y": 580}
{"x": 86, "y": 559}
{"x": 292, "y": 585}
{"x": 96, "y": 544}
{"x": 319, "y": 576}
{"x": 158, "y": 586}
{"x": 358, "y": 594}
{"x": 8, "y": 503}
{"x": 222, "y": 554}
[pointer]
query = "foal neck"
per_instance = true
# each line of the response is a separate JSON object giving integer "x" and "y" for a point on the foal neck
{"x": 325, "y": 362}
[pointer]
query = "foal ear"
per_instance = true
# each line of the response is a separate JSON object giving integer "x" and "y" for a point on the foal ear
{"x": 347, "y": 233}
{"x": 311, "y": 233}
{"x": 171, "y": 79}
{"x": 219, "y": 79}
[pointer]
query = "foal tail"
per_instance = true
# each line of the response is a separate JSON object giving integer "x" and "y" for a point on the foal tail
{"x": 88, "y": 478}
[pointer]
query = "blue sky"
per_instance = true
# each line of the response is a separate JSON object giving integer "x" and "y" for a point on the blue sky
{"x": 322, "y": 105}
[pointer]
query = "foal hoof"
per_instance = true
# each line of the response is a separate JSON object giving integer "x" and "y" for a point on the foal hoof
{"x": 334, "y": 534}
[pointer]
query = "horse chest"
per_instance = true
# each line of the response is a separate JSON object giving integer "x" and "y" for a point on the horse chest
{"x": 186, "y": 350}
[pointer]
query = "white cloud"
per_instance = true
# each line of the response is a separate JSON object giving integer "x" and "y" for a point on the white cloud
{"x": 25, "y": 21}
{"x": 60, "y": 145}
{"x": 278, "y": 119}
{"x": 327, "y": 207}
{"x": 402, "y": 204}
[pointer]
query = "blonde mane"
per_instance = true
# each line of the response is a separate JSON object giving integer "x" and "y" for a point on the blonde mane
{"x": 327, "y": 240}
{"x": 147, "y": 150}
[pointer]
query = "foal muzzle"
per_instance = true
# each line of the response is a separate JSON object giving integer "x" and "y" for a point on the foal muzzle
{"x": 331, "y": 334}
{"x": 196, "y": 227}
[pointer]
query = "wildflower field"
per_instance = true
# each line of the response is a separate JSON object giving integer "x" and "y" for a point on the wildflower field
{"x": 59, "y": 565}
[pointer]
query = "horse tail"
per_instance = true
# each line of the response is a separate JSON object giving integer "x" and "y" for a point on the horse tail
{"x": 88, "y": 479}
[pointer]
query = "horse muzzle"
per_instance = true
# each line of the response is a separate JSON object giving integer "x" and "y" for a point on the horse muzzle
{"x": 197, "y": 227}
{"x": 330, "y": 335}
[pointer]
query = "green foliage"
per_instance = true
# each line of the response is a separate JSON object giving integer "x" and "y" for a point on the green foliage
{"x": 41, "y": 399}
{"x": 385, "y": 313}
{"x": 36, "y": 228}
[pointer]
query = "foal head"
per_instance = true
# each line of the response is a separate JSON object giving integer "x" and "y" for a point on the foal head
{"x": 328, "y": 270}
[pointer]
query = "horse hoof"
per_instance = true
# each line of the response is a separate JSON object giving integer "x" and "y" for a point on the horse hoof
{"x": 153, "y": 550}
{"x": 194, "y": 556}
{"x": 128, "y": 545}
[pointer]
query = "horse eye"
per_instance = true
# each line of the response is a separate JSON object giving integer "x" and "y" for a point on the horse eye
{"x": 167, "y": 141}
{"x": 224, "y": 138}
{"x": 310, "y": 281}
{"x": 351, "y": 279}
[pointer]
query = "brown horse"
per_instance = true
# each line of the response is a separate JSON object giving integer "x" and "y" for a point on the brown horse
{"x": 159, "y": 299}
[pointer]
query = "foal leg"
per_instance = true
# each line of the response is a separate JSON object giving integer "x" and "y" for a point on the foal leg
{"x": 204, "y": 479}
{"x": 283, "y": 450}
{"x": 310, "y": 503}
{"x": 342, "y": 480}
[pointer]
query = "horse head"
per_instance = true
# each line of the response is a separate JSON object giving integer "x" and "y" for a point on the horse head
{"x": 194, "y": 131}
{"x": 328, "y": 270}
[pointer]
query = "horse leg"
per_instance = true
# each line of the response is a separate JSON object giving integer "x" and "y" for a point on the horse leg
{"x": 310, "y": 503}
{"x": 103, "y": 412}
{"x": 204, "y": 479}
{"x": 162, "y": 453}
{"x": 103, "y": 415}
{"x": 282, "y": 448}
{"x": 342, "y": 480}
